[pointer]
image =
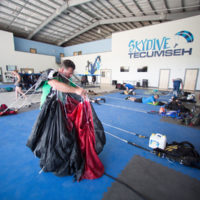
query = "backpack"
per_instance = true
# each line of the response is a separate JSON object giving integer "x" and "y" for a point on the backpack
{"x": 195, "y": 121}
{"x": 183, "y": 152}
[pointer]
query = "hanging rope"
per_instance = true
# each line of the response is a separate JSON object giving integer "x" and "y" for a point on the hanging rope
{"x": 128, "y": 142}
{"x": 129, "y": 132}
{"x": 18, "y": 99}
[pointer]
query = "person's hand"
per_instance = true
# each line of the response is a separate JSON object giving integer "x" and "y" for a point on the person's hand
{"x": 81, "y": 92}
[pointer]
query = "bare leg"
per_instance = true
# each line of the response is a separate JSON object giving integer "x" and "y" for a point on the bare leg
{"x": 19, "y": 90}
{"x": 16, "y": 93}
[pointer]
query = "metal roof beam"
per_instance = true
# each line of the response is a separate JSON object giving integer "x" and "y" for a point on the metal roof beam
{"x": 17, "y": 14}
{"x": 79, "y": 15}
{"x": 183, "y": 5}
{"x": 85, "y": 11}
{"x": 18, "y": 18}
{"x": 13, "y": 10}
{"x": 172, "y": 16}
{"x": 37, "y": 7}
{"x": 128, "y": 9}
{"x": 126, "y": 25}
{"x": 73, "y": 18}
{"x": 140, "y": 9}
{"x": 60, "y": 20}
{"x": 57, "y": 13}
{"x": 133, "y": 19}
{"x": 16, "y": 23}
{"x": 166, "y": 5}
{"x": 79, "y": 32}
{"x": 32, "y": 10}
{"x": 107, "y": 9}
{"x": 152, "y": 7}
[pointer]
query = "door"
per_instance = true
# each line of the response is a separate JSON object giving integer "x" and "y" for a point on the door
{"x": 164, "y": 79}
{"x": 106, "y": 76}
{"x": 190, "y": 79}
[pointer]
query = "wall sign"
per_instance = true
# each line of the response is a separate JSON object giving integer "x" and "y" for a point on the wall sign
{"x": 164, "y": 47}
{"x": 93, "y": 68}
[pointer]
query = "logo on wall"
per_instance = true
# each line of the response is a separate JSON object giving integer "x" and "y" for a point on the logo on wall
{"x": 93, "y": 68}
{"x": 164, "y": 47}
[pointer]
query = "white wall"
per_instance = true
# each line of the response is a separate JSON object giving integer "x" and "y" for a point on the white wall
{"x": 177, "y": 64}
{"x": 81, "y": 62}
{"x": 8, "y": 56}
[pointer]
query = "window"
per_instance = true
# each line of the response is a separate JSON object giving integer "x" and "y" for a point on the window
{"x": 11, "y": 67}
{"x": 33, "y": 50}
{"x": 61, "y": 55}
{"x": 124, "y": 69}
{"x": 142, "y": 69}
{"x": 77, "y": 53}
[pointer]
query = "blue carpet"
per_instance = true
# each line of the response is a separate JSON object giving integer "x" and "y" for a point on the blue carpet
{"x": 4, "y": 86}
{"x": 19, "y": 178}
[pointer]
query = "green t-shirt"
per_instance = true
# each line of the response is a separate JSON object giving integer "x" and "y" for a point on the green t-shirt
{"x": 46, "y": 88}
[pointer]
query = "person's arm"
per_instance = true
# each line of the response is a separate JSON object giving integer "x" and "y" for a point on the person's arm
{"x": 153, "y": 100}
{"x": 181, "y": 85}
{"x": 62, "y": 87}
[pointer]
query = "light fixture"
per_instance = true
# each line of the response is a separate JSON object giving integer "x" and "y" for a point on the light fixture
{"x": 99, "y": 30}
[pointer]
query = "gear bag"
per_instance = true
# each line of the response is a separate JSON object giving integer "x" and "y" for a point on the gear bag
{"x": 183, "y": 152}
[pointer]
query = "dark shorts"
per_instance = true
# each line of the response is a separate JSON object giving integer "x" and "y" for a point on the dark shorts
{"x": 139, "y": 100}
{"x": 19, "y": 85}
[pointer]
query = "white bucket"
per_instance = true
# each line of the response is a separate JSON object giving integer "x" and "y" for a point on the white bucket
{"x": 157, "y": 140}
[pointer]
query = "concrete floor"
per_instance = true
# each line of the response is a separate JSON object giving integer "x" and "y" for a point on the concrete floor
{"x": 9, "y": 99}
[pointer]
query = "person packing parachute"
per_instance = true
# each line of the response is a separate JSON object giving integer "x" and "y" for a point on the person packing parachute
{"x": 67, "y": 135}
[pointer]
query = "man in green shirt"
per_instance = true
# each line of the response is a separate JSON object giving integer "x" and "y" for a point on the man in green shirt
{"x": 60, "y": 84}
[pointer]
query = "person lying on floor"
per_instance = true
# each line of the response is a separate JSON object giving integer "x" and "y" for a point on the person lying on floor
{"x": 145, "y": 100}
{"x": 97, "y": 101}
{"x": 129, "y": 88}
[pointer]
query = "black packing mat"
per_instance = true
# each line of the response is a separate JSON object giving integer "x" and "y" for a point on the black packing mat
{"x": 154, "y": 181}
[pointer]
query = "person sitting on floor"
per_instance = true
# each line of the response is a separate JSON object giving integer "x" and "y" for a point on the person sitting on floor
{"x": 145, "y": 100}
{"x": 129, "y": 88}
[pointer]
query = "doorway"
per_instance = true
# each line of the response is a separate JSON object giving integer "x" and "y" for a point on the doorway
{"x": 164, "y": 79}
{"x": 190, "y": 79}
{"x": 106, "y": 75}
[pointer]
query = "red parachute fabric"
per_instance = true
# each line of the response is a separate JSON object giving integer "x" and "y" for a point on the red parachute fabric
{"x": 8, "y": 112}
{"x": 80, "y": 115}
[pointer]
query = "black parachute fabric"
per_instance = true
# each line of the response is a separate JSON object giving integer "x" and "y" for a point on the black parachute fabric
{"x": 51, "y": 141}
{"x": 54, "y": 142}
{"x": 100, "y": 138}
{"x": 44, "y": 77}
